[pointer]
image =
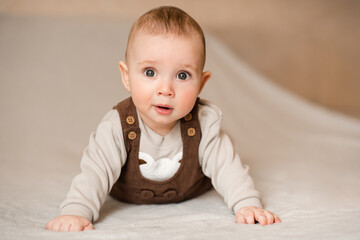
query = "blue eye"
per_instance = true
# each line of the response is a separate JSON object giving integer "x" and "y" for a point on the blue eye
{"x": 183, "y": 75}
{"x": 150, "y": 73}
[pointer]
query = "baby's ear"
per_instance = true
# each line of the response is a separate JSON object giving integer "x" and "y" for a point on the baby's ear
{"x": 205, "y": 76}
{"x": 125, "y": 75}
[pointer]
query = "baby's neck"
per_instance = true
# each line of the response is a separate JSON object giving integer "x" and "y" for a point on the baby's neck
{"x": 161, "y": 129}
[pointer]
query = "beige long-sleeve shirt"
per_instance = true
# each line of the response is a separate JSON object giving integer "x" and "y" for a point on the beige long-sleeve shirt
{"x": 105, "y": 155}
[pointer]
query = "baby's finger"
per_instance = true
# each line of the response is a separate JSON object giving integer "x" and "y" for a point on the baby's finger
{"x": 89, "y": 227}
{"x": 277, "y": 219}
{"x": 75, "y": 228}
{"x": 56, "y": 227}
{"x": 49, "y": 225}
{"x": 261, "y": 218}
{"x": 65, "y": 227}
{"x": 240, "y": 218}
{"x": 249, "y": 216}
{"x": 270, "y": 217}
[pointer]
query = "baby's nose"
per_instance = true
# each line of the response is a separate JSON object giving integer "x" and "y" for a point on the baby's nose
{"x": 165, "y": 89}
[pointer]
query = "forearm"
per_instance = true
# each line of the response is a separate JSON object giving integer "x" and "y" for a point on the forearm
{"x": 229, "y": 177}
{"x": 89, "y": 189}
{"x": 100, "y": 167}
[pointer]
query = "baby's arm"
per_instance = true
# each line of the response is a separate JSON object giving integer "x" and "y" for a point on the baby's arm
{"x": 100, "y": 168}
{"x": 251, "y": 215}
{"x": 229, "y": 177}
{"x": 69, "y": 223}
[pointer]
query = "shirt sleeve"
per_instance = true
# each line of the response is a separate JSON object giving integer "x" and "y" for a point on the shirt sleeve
{"x": 100, "y": 168}
{"x": 222, "y": 164}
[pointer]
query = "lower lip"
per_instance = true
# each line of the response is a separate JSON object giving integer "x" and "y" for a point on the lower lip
{"x": 163, "y": 111}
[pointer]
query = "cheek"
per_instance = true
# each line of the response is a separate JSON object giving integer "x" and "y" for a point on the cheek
{"x": 188, "y": 99}
{"x": 190, "y": 95}
{"x": 138, "y": 87}
{"x": 141, "y": 93}
{"x": 141, "y": 98}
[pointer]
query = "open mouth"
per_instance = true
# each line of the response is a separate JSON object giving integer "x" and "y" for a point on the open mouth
{"x": 163, "y": 109}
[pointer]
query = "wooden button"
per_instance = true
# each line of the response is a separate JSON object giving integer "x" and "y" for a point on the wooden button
{"x": 191, "y": 132}
{"x": 132, "y": 135}
{"x": 130, "y": 120}
{"x": 188, "y": 117}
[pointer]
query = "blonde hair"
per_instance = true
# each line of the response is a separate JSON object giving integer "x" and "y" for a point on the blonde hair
{"x": 166, "y": 20}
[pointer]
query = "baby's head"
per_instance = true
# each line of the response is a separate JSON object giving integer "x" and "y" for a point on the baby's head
{"x": 163, "y": 71}
{"x": 166, "y": 21}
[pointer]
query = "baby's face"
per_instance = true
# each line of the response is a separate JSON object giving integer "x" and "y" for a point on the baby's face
{"x": 164, "y": 76}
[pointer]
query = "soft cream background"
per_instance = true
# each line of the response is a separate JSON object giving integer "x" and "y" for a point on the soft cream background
{"x": 59, "y": 76}
{"x": 308, "y": 47}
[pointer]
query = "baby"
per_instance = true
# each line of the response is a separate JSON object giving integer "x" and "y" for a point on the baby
{"x": 163, "y": 144}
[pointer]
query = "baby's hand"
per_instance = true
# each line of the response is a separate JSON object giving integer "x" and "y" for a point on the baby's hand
{"x": 251, "y": 214}
{"x": 69, "y": 223}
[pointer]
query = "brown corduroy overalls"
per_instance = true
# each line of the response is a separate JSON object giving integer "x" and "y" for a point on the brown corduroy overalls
{"x": 188, "y": 182}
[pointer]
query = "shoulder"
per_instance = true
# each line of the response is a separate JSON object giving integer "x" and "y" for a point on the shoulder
{"x": 111, "y": 116}
{"x": 111, "y": 121}
{"x": 210, "y": 118}
{"x": 210, "y": 115}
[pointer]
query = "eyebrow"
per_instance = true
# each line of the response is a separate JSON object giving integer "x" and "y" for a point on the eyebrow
{"x": 146, "y": 62}
{"x": 189, "y": 66}
{"x": 153, "y": 62}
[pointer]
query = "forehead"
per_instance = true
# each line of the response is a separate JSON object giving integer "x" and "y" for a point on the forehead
{"x": 167, "y": 45}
